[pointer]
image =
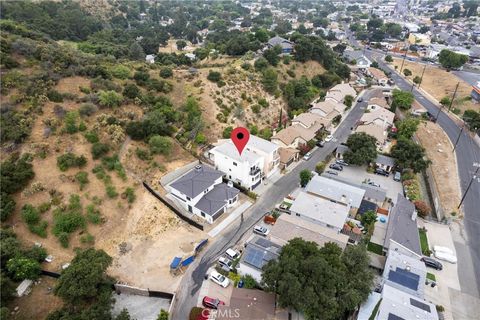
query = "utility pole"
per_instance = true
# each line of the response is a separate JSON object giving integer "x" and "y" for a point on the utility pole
{"x": 458, "y": 138}
{"x": 469, "y": 185}
{"x": 453, "y": 98}
{"x": 421, "y": 77}
{"x": 403, "y": 61}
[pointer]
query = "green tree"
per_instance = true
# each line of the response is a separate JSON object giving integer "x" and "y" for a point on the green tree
{"x": 123, "y": 315}
{"x": 472, "y": 118}
{"x": 407, "y": 72}
{"x": 7, "y": 206}
{"x": 302, "y": 268}
{"x": 402, "y": 99}
{"x": 451, "y": 60}
{"x": 227, "y": 132}
{"x": 272, "y": 55}
{"x": 163, "y": 315}
{"x": 362, "y": 147}
{"x": 181, "y": 44}
{"x": 270, "y": 80}
{"x": 136, "y": 52}
{"x": 348, "y": 101}
{"x": 320, "y": 167}
{"x": 445, "y": 101}
{"x": 131, "y": 91}
{"x": 388, "y": 58}
{"x": 417, "y": 79}
{"x": 214, "y": 76}
{"x": 407, "y": 127}
{"x": 7, "y": 289}
{"x": 23, "y": 268}
{"x": 15, "y": 173}
{"x": 110, "y": 99}
{"x": 408, "y": 154}
{"x": 261, "y": 35}
{"x": 160, "y": 145}
{"x": 369, "y": 218}
{"x": 260, "y": 64}
{"x": 305, "y": 177}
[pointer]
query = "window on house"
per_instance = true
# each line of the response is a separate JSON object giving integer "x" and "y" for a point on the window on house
{"x": 188, "y": 198}
{"x": 203, "y": 214}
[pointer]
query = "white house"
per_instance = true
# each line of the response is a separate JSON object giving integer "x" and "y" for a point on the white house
{"x": 259, "y": 159}
{"x": 150, "y": 58}
{"x": 202, "y": 192}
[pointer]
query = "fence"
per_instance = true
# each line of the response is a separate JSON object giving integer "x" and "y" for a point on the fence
{"x": 126, "y": 289}
{"x": 172, "y": 207}
{"x": 50, "y": 274}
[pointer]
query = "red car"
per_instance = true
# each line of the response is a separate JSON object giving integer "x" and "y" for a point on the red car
{"x": 212, "y": 302}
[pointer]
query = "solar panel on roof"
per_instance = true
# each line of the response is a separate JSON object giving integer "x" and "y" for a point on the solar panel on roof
{"x": 263, "y": 243}
{"x": 392, "y": 316}
{"x": 404, "y": 278}
{"x": 254, "y": 257}
{"x": 420, "y": 305}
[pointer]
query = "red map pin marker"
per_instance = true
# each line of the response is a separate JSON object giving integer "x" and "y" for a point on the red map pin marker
{"x": 240, "y": 137}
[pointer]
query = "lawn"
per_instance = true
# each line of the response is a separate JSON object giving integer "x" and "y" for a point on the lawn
{"x": 375, "y": 248}
{"x": 424, "y": 241}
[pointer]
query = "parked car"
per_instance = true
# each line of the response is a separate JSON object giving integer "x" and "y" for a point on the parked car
{"x": 335, "y": 166}
{"x": 431, "y": 117}
{"x": 219, "y": 279}
{"x": 341, "y": 162}
{"x": 397, "y": 176}
{"x": 307, "y": 156}
{"x": 445, "y": 256}
{"x": 225, "y": 262}
{"x": 373, "y": 183}
{"x": 382, "y": 172}
{"x": 332, "y": 172}
{"x": 232, "y": 254}
{"x": 212, "y": 303}
{"x": 263, "y": 231}
{"x": 360, "y": 99}
{"x": 432, "y": 263}
{"x": 329, "y": 138}
{"x": 320, "y": 143}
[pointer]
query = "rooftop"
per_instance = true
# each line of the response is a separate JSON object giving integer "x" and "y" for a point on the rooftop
{"x": 196, "y": 180}
{"x": 229, "y": 150}
{"x": 378, "y": 114}
{"x": 319, "y": 209}
{"x": 387, "y": 161}
{"x": 289, "y": 134}
{"x": 373, "y": 130}
{"x": 261, "y": 144}
{"x": 379, "y": 101}
{"x": 259, "y": 251}
{"x": 401, "y": 227}
{"x": 250, "y": 304}
{"x": 216, "y": 198}
{"x": 308, "y": 119}
{"x": 335, "y": 190}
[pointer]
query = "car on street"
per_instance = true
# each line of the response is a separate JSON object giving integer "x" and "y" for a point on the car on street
{"x": 430, "y": 116}
{"x": 225, "y": 263}
{"x": 212, "y": 303}
{"x": 329, "y": 138}
{"x": 307, "y": 156}
{"x": 397, "y": 176}
{"x": 360, "y": 99}
{"x": 373, "y": 183}
{"x": 335, "y": 173}
{"x": 432, "y": 263}
{"x": 381, "y": 172}
{"x": 320, "y": 143}
{"x": 263, "y": 231}
{"x": 341, "y": 162}
{"x": 232, "y": 254}
{"x": 219, "y": 279}
{"x": 335, "y": 166}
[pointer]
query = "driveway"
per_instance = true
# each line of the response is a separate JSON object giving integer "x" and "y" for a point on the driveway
{"x": 359, "y": 174}
{"x": 213, "y": 290}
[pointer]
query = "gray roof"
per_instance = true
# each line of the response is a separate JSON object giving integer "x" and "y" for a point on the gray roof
{"x": 335, "y": 190}
{"x": 387, "y": 161}
{"x": 216, "y": 199}
{"x": 279, "y": 41}
{"x": 259, "y": 251}
{"x": 371, "y": 192}
{"x": 354, "y": 55}
{"x": 196, "y": 180}
{"x": 342, "y": 149}
{"x": 401, "y": 228}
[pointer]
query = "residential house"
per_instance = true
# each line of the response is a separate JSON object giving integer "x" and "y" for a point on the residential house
{"x": 288, "y": 227}
{"x": 287, "y": 156}
{"x": 202, "y": 192}
{"x": 286, "y": 45}
{"x": 259, "y": 159}
{"x": 308, "y": 120}
{"x": 402, "y": 226}
{"x": 358, "y": 58}
{"x": 339, "y": 92}
{"x": 341, "y": 149}
{"x": 379, "y": 116}
{"x": 328, "y": 109}
{"x": 377, "y": 102}
{"x": 385, "y": 163}
{"x": 335, "y": 191}
{"x": 420, "y": 39}
{"x": 248, "y": 304}
{"x": 405, "y": 273}
{"x": 378, "y": 75}
{"x": 257, "y": 253}
{"x": 376, "y": 131}
{"x": 396, "y": 304}
{"x": 296, "y": 135}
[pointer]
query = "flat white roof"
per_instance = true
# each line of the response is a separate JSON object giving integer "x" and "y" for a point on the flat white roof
{"x": 320, "y": 209}
{"x": 336, "y": 190}
{"x": 261, "y": 144}
{"x": 229, "y": 150}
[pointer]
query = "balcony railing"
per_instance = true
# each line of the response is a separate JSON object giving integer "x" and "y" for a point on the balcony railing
{"x": 255, "y": 171}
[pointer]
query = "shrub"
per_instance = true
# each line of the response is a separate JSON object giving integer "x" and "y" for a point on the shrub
{"x": 71, "y": 119}
{"x": 200, "y": 138}
{"x": 407, "y": 72}
{"x": 111, "y": 191}
{"x": 256, "y": 108}
{"x": 388, "y": 58}
{"x": 68, "y": 160}
{"x": 320, "y": 167}
{"x": 23, "y": 268}
{"x": 131, "y": 91}
{"x": 91, "y": 136}
{"x": 54, "y": 96}
{"x": 40, "y": 229}
{"x": 93, "y": 214}
{"x": 30, "y": 214}
{"x": 87, "y": 239}
{"x": 87, "y": 109}
{"x": 263, "y": 102}
{"x": 195, "y": 313}
{"x": 166, "y": 72}
{"x": 214, "y": 76}
{"x": 109, "y": 99}
{"x": 291, "y": 73}
{"x": 227, "y": 132}
{"x": 141, "y": 77}
{"x": 423, "y": 209}
{"x": 234, "y": 277}
{"x": 36, "y": 253}
{"x": 130, "y": 195}
{"x": 99, "y": 150}
{"x": 249, "y": 282}
{"x": 143, "y": 154}
{"x": 113, "y": 163}
{"x": 160, "y": 145}
{"x": 246, "y": 66}
{"x": 82, "y": 178}
{"x": 7, "y": 206}
{"x": 121, "y": 72}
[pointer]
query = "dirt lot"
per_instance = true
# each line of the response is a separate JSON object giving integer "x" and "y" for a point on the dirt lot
{"x": 444, "y": 166}
{"x": 440, "y": 83}
{"x": 39, "y": 303}
{"x": 171, "y": 47}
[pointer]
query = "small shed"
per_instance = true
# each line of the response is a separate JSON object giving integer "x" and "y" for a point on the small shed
{"x": 24, "y": 288}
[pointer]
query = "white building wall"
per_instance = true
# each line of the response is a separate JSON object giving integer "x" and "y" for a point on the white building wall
{"x": 240, "y": 172}
{"x": 244, "y": 269}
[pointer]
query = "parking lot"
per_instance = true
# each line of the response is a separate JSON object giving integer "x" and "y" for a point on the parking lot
{"x": 359, "y": 174}
{"x": 213, "y": 290}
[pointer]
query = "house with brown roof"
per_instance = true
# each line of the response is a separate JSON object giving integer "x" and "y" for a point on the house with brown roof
{"x": 288, "y": 156}
{"x": 296, "y": 135}
{"x": 379, "y": 116}
{"x": 375, "y": 131}
{"x": 308, "y": 119}
{"x": 339, "y": 92}
{"x": 250, "y": 304}
{"x": 378, "y": 75}
{"x": 377, "y": 102}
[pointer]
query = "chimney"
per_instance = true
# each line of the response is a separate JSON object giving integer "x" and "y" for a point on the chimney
{"x": 230, "y": 184}
{"x": 414, "y": 215}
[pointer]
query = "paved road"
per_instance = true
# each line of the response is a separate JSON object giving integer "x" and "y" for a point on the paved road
{"x": 467, "y": 153}
{"x": 471, "y": 77}
{"x": 192, "y": 281}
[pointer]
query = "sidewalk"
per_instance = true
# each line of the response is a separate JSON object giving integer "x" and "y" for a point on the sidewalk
{"x": 234, "y": 215}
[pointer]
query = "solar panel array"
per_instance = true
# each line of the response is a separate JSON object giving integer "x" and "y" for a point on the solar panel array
{"x": 392, "y": 316}
{"x": 420, "y": 305}
{"x": 257, "y": 257}
{"x": 404, "y": 278}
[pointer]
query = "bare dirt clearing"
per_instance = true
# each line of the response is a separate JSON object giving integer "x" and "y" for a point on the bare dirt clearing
{"x": 440, "y": 83}
{"x": 444, "y": 166}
